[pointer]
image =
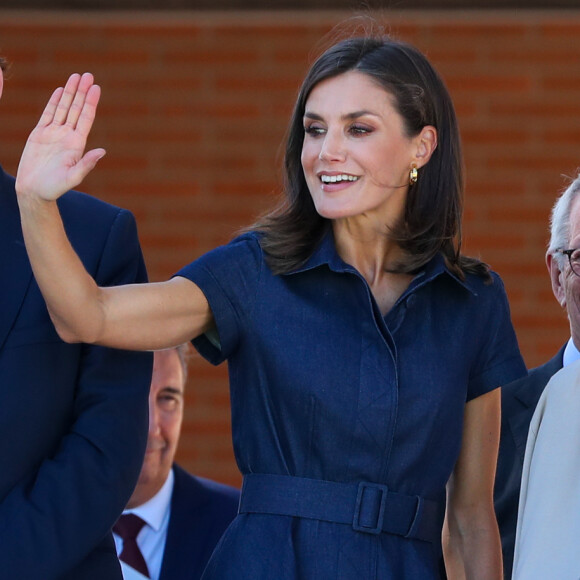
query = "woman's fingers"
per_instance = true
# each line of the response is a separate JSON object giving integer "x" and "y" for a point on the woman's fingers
{"x": 70, "y": 89}
{"x": 76, "y": 108}
{"x": 74, "y": 105}
{"x": 88, "y": 111}
{"x": 48, "y": 114}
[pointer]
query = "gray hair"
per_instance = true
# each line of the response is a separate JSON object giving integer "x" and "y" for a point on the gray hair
{"x": 560, "y": 221}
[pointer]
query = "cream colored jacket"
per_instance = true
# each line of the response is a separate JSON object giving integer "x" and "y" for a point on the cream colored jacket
{"x": 548, "y": 528}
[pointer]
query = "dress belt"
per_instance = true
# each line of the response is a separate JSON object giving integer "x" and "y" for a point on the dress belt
{"x": 368, "y": 507}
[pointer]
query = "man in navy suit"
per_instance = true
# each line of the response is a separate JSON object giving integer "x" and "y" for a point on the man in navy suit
{"x": 184, "y": 516}
{"x": 520, "y": 398}
{"x": 73, "y": 417}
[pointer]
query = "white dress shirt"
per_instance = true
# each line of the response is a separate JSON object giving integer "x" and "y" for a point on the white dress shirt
{"x": 130, "y": 573}
{"x": 152, "y": 537}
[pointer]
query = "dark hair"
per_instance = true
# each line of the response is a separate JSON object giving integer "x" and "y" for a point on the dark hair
{"x": 432, "y": 217}
{"x": 3, "y": 64}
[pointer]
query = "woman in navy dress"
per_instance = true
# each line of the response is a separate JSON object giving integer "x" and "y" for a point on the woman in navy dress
{"x": 364, "y": 350}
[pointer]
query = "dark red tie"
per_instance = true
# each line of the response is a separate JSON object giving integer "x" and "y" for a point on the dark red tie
{"x": 128, "y": 527}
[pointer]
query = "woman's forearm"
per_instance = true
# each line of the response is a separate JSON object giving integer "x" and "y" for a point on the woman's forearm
{"x": 471, "y": 541}
{"x": 70, "y": 293}
{"x": 471, "y": 544}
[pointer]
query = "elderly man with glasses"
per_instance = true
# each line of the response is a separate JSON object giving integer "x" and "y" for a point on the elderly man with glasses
{"x": 539, "y": 450}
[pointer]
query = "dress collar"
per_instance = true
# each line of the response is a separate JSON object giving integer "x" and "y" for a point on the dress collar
{"x": 325, "y": 254}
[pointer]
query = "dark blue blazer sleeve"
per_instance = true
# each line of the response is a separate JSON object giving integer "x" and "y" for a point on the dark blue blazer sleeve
{"x": 55, "y": 522}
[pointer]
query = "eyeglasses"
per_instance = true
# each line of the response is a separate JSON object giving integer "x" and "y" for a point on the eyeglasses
{"x": 574, "y": 259}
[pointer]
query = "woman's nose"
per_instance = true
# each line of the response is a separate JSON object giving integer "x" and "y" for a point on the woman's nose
{"x": 332, "y": 148}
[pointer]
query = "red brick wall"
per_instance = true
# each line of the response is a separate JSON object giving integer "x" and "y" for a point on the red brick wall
{"x": 194, "y": 110}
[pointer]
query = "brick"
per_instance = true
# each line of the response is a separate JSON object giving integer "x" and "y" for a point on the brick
{"x": 564, "y": 29}
{"x": 489, "y": 83}
{"x": 536, "y": 109}
{"x": 193, "y": 116}
{"x": 475, "y": 32}
{"x": 493, "y": 136}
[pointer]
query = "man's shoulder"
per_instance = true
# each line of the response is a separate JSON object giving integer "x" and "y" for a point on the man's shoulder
{"x": 77, "y": 205}
{"x": 73, "y": 204}
{"x": 183, "y": 477}
{"x": 534, "y": 382}
{"x": 217, "y": 488}
{"x": 566, "y": 380}
{"x": 93, "y": 225}
{"x": 204, "y": 490}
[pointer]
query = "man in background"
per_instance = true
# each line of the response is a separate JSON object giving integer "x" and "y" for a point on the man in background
{"x": 173, "y": 520}
{"x": 73, "y": 417}
{"x": 520, "y": 398}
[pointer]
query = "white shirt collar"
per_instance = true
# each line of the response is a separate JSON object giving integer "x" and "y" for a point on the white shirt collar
{"x": 154, "y": 511}
{"x": 571, "y": 353}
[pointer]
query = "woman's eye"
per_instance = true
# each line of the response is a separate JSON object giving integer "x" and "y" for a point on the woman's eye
{"x": 360, "y": 130}
{"x": 313, "y": 130}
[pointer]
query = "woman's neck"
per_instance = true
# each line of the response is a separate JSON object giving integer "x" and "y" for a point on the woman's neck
{"x": 374, "y": 255}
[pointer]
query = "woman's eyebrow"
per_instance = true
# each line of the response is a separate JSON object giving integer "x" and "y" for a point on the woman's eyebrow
{"x": 346, "y": 116}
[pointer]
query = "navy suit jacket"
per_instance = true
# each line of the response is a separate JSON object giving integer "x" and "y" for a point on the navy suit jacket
{"x": 73, "y": 417}
{"x": 201, "y": 510}
{"x": 518, "y": 402}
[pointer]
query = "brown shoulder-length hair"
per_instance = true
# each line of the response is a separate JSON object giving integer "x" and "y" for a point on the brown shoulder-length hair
{"x": 431, "y": 222}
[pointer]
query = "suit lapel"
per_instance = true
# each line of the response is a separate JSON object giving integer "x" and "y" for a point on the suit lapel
{"x": 188, "y": 496}
{"x": 519, "y": 425}
{"x": 527, "y": 396}
{"x": 15, "y": 271}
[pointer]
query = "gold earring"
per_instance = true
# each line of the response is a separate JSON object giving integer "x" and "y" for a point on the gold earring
{"x": 413, "y": 175}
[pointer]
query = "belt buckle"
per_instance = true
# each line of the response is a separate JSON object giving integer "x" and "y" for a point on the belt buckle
{"x": 365, "y": 486}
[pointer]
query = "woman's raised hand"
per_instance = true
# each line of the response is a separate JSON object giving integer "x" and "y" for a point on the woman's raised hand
{"x": 53, "y": 160}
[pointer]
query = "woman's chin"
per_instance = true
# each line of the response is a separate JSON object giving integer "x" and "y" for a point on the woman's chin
{"x": 335, "y": 213}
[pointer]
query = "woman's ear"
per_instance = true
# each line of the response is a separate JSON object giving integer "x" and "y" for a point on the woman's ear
{"x": 426, "y": 144}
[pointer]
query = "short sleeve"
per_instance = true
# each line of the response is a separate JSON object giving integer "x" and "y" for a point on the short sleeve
{"x": 499, "y": 361}
{"x": 228, "y": 276}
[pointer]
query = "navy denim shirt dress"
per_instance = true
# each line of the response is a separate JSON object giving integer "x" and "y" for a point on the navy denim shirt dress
{"x": 323, "y": 387}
